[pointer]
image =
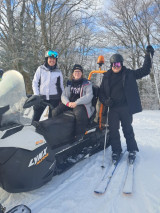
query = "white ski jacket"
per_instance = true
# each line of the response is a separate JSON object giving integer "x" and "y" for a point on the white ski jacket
{"x": 44, "y": 81}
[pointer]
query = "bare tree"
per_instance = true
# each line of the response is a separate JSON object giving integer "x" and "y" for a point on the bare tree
{"x": 131, "y": 26}
{"x": 11, "y": 35}
{"x": 29, "y": 27}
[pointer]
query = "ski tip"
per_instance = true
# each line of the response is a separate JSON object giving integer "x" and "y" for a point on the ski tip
{"x": 98, "y": 193}
{"x": 127, "y": 193}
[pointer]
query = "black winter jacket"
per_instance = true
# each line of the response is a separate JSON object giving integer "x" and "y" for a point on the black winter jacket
{"x": 129, "y": 78}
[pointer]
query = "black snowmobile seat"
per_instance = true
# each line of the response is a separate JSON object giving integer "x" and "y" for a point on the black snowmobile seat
{"x": 69, "y": 113}
{"x": 57, "y": 131}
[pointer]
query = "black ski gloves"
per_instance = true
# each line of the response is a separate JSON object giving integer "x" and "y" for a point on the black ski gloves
{"x": 108, "y": 102}
{"x": 150, "y": 50}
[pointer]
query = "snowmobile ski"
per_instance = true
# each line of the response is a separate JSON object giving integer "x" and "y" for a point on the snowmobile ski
{"x": 103, "y": 184}
{"x": 17, "y": 209}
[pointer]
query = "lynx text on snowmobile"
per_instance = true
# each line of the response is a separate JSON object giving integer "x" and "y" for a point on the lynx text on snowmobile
{"x": 31, "y": 154}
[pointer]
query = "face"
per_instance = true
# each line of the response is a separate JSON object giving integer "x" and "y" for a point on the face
{"x": 116, "y": 67}
{"x": 77, "y": 74}
{"x": 51, "y": 61}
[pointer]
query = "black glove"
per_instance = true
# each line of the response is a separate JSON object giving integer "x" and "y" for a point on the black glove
{"x": 150, "y": 49}
{"x": 108, "y": 102}
{"x": 59, "y": 90}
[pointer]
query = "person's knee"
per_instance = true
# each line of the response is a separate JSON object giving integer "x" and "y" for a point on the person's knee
{"x": 80, "y": 111}
{"x": 54, "y": 112}
{"x": 58, "y": 110}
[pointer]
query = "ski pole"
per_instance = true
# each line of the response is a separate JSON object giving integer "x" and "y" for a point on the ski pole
{"x": 105, "y": 139}
{"x": 154, "y": 74}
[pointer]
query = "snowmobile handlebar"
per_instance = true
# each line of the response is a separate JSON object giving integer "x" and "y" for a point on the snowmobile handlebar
{"x": 4, "y": 109}
{"x": 95, "y": 71}
{"x": 36, "y": 100}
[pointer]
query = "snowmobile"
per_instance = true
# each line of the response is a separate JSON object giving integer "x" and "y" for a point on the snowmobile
{"x": 31, "y": 153}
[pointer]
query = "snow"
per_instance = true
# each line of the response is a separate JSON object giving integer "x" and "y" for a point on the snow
{"x": 73, "y": 191}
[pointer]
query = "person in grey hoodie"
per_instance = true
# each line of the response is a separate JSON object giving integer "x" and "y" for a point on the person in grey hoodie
{"x": 77, "y": 96}
{"x": 48, "y": 83}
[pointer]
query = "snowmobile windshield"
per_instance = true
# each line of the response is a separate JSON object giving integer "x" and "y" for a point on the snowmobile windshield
{"x": 13, "y": 94}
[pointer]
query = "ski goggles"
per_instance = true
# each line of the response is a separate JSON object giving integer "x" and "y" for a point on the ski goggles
{"x": 116, "y": 64}
{"x": 51, "y": 53}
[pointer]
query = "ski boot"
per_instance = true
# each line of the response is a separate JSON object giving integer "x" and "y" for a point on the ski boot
{"x": 115, "y": 157}
{"x": 132, "y": 157}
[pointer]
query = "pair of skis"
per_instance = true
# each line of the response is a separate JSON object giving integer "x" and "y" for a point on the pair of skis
{"x": 104, "y": 182}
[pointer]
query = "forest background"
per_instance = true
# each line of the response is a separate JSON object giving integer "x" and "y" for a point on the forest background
{"x": 80, "y": 31}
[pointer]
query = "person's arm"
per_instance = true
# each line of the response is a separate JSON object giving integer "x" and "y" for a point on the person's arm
{"x": 102, "y": 96}
{"x": 65, "y": 95}
{"x": 61, "y": 82}
{"x": 146, "y": 68}
{"x": 36, "y": 81}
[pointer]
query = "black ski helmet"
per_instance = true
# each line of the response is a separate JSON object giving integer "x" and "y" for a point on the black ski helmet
{"x": 116, "y": 58}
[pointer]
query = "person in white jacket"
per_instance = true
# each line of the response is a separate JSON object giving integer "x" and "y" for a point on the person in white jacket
{"x": 48, "y": 83}
{"x": 77, "y": 96}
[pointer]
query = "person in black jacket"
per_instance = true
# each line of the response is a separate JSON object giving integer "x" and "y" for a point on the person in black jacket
{"x": 119, "y": 92}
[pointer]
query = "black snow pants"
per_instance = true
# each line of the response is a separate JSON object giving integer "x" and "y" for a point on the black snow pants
{"x": 81, "y": 116}
{"x": 38, "y": 110}
{"x": 117, "y": 115}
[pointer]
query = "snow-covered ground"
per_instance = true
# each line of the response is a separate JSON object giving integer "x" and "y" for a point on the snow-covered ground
{"x": 73, "y": 191}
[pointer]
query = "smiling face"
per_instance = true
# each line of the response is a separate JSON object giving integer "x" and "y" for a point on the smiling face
{"x": 116, "y": 69}
{"x": 77, "y": 74}
{"x": 51, "y": 61}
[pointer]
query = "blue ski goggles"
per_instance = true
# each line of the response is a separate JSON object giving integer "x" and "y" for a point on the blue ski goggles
{"x": 51, "y": 53}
